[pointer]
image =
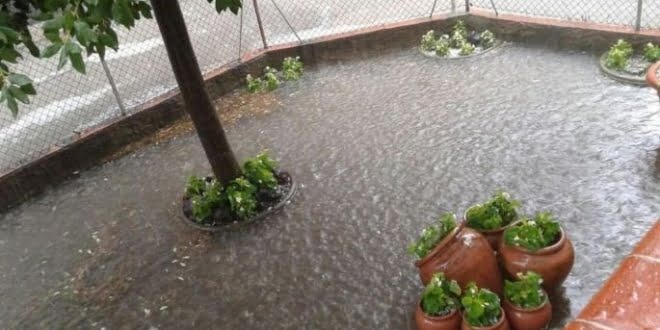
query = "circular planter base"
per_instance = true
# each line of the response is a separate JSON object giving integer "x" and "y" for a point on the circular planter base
{"x": 497, "y": 44}
{"x": 619, "y": 76}
{"x": 241, "y": 223}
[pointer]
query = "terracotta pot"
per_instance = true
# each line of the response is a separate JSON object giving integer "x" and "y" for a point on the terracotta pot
{"x": 503, "y": 324}
{"x": 451, "y": 321}
{"x": 652, "y": 78}
{"x": 493, "y": 236}
{"x": 465, "y": 256}
{"x": 553, "y": 263}
{"x": 528, "y": 318}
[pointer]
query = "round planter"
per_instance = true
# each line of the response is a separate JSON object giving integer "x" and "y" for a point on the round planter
{"x": 451, "y": 321}
{"x": 652, "y": 78}
{"x": 553, "y": 263}
{"x": 528, "y": 318}
{"x": 237, "y": 224}
{"x": 503, "y": 324}
{"x": 618, "y": 75}
{"x": 497, "y": 44}
{"x": 493, "y": 236}
{"x": 465, "y": 256}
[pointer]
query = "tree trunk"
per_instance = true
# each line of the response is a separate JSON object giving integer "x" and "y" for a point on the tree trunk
{"x": 189, "y": 77}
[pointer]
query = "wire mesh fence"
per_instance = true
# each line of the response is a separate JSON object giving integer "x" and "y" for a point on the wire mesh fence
{"x": 68, "y": 103}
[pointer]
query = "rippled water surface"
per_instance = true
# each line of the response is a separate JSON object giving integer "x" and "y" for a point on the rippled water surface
{"x": 380, "y": 147}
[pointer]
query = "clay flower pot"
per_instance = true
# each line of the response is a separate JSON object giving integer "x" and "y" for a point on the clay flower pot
{"x": 493, "y": 236}
{"x": 553, "y": 263}
{"x": 652, "y": 78}
{"x": 503, "y": 324}
{"x": 465, "y": 256}
{"x": 451, "y": 321}
{"x": 528, "y": 318}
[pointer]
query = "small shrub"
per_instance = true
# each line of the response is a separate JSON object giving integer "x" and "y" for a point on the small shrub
{"x": 292, "y": 68}
{"x": 618, "y": 55}
{"x": 241, "y": 196}
{"x": 457, "y": 40}
{"x": 526, "y": 292}
{"x": 652, "y": 52}
{"x": 442, "y": 47}
{"x": 259, "y": 170}
{"x": 495, "y": 213}
{"x": 487, "y": 39}
{"x": 254, "y": 84}
{"x": 534, "y": 234}
{"x": 466, "y": 48}
{"x": 460, "y": 29}
{"x": 205, "y": 196}
{"x": 432, "y": 235}
{"x": 271, "y": 82}
{"x": 428, "y": 41}
{"x": 482, "y": 307}
{"x": 440, "y": 296}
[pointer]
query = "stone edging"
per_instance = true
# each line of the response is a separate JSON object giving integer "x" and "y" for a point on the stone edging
{"x": 618, "y": 76}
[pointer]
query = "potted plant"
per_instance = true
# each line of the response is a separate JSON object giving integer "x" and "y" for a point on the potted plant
{"x": 439, "y": 307}
{"x": 526, "y": 304}
{"x": 261, "y": 188}
{"x": 482, "y": 310}
{"x": 493, "y": 217}
{"x": 459, "y": 252}
{"x": 539, "y": 245}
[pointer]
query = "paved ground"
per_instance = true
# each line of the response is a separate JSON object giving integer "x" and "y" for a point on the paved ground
{"x": 380, "y": 148}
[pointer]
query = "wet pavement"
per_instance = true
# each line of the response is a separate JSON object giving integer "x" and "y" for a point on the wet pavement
{"x": 380, "y": 146}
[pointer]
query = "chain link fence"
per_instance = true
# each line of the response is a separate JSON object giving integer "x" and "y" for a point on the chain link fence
{"x": 68, "y": 103}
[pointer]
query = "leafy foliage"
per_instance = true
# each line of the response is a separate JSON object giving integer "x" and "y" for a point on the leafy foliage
{"x": 467, "y": 48}
{"x": 442, "y": 46}
{"x": 429, "y": 41}
{"x": 495, "y": 213}
{"x": 440, "y": 296}
{"x": 618, "y": 55}
{"x": 270, "y": 79}
{"x": 205, "y": 195}
{"x": 487, "y": 39}
{"x": 241, "y": 197}
{"x": 259, "y": 170}
{"x": 457, "y": 40}
{"x": 652, "y": 52}
{"x": 534, "y": 234}
{"x": 460, "y": 29}
{"x": 292, "y": 68}
{"x": 254, "y": 84}
{"x": 526, "y": 292}
{"x": 70, "y": 26}
{"x": 482, "y": 307}
{"x": 432, "y": 235}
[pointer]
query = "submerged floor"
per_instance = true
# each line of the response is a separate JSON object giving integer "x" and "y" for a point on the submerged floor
{"x": 380, "y": 146}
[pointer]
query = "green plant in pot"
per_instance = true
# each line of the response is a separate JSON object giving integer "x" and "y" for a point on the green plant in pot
{"x": 540, "y": 245}
{"x": 526, "y": 304}
{"x": 439, "y": 307}
{"x": 493, "y": 217}
{"x": 482, "y": 309}
{"x": 459, "y": 252}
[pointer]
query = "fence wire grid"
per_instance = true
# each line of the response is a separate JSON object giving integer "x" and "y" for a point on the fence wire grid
{"x": 68, "y": 103}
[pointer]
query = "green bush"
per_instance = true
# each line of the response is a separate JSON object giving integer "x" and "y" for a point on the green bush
{"x": 534, "y": 234}
{"x": 618, "y": 55}
{"x": 205, "y": 197}
{"x": 432, "y": 235}
{"x": 482, "y": 307}
{"x": 652, "y": 52}
{"x": 292, "y": 68}
{"x": 467, "y": 48}
{"x": 460, "y": 29}
{"x": 487, "y": 39}
{"x": 241, "y": 195}
{"x": 259, "y": 170}
{"x": 440, "y": 296}
{"x": 429, "y": 41}
{"x": 442, "y": 46}
{"x": 526, "y": 292}
{"x": 254, "y": 84}
{"x": 495, "y": 213}
{"x": 270, "y": 79}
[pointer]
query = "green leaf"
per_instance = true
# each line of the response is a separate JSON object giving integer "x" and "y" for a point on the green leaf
{"x": 3, "y": 94}
{"x": 13, "y": 106}
{"x": 121, "y": 12}
{"x": 77, "y": 62}
{"x": 54, "y": 24}
{"x": 10, "y": 55}
{"x": 51, "y": 50}
{"x": 63, "y": 58}
{"x": 19, "y": 94}
{"x": 84, "y": 33}
{"x": 19, "y": 79}
{"x": 100, "y": 49}
{"x": 69, "y": 19}
{"x": 145, "y": 9}
{"x": 9, "y": 33}
{"x": 92, "y": 2}
{"x": 29, "y": 89}
{"x": 31, "y": 46}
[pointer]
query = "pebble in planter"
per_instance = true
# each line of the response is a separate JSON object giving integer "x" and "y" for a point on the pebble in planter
{"x": 458, "y": 43}
{"x": 482, "y": 310}
{"x": 439, "y": 307}
{"x": 526, "y": 304}
{"x": 209, "y": 206}
{"x": 459, "y": 252}
{"x": 493, "y": 217}
{"x": 539, "y": 245}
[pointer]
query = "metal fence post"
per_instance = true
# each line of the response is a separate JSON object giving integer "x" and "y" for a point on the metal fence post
{"x": 492, "y": 3}
{"x": 286, "y": 21}
{"x": 261, "y": 26}
{"x": 453, "y": 6}
{"x": 638, "y": 23}
{"x": 433, "y": 8}
{"x": 467, "y": 6}
{"x": 115, "y": 91}
{"x": 240, "y": 36}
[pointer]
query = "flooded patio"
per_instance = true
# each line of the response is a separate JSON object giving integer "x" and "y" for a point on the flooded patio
{"x": 380, "y": 147}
